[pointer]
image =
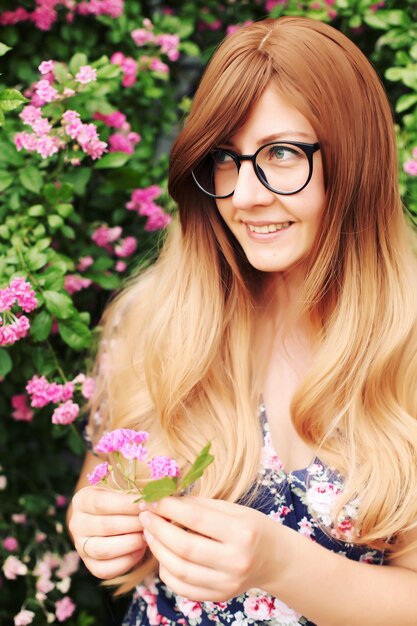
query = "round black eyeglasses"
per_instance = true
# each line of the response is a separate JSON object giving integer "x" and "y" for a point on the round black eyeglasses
{"x": 283, "y": 167}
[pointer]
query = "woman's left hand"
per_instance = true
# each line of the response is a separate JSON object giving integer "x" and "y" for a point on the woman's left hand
{"x": 214, "y": 550}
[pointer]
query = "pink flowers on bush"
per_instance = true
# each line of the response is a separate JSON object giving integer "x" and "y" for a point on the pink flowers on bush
{"x": 45, "y": 14}
{"x": 14, "y": 325}
{"x": 142, "y": 201}
{"x": 410, "y": 166}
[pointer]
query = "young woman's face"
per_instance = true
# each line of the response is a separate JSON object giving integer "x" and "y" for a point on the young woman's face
{"x": 292, "y": 221}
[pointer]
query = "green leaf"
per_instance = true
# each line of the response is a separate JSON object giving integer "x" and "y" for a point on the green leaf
{"x": 78, "y": 60}
{"x": 6, "y": 180}
{"x": 6, "y": 363}
{"x": 76, "y": 443}
{"x": 55, "y": 221}
{"x": 59, "y": 304}
{"x": 34, "y": 504}
{"x": 158, "y": 489}
{"x": 64, "y": 209}
{"x": 190, "y": 49}
{"x": 37, "y": 210}
{"x": 3, "y": 49}
{"x": 31, "y": 179}
{"x": 36, "y": 259}
{"x": 114, "y": 159}
{"x": 10, "y": 99}
{"x": 196, "y": 470}
{"x": 107, "y": 281}
{"x": 75, "y": 333}
{"x": 2, "y": 118}
{"x": 41, "y": 326}
{"x": 108, "y": 71}
{"x": 405, "y": 102}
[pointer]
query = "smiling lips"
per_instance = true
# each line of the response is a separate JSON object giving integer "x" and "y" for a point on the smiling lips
{"x": 268, "y": 228}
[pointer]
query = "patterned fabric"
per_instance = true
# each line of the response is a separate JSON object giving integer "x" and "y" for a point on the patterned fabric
{"x": 302, "y": 500}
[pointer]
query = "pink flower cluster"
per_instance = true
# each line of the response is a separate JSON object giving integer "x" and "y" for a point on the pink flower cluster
{"x": 104, "y": 236}
{"x": 43, "y": 392}
{"x": 129, "y": 443}
{"x": 21, "y": 411}
{"x": 126, "y": 441}
{"x": 129, "y": 68}
{"x": 45, "y": 14}
{"x": 123, "y": 141}
{"x": 50, "y": 568}
{"x": 168, "y": 43}
{"x": 75, "y": 282}
{"x": 14, "y": 327}
{"x": 142, "y": 201}
{"x": 23, "y": 618}
{"x": 86, "y": 135}
{"x": 13, "y": 567}
{"x": 410, "y": 166}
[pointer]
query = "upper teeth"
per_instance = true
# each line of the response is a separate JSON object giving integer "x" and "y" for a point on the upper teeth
{"x": 268, "y": 228}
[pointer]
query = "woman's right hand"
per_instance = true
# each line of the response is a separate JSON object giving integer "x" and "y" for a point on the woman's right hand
{"x": 106, "y": 531}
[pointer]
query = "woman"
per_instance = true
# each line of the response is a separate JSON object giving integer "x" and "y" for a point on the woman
{"x": 280, "y": 323}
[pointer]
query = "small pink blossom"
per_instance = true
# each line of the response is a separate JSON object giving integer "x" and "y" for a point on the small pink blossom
{"x": 9, "y": 18}
{"x": 99, "y": 473}
{"x": 86, "y": 74}
{"x": 64, "y": 609}
{"x": 13, "y": 567}
{"x": 61, "y": 501}
{"x": 410, "y": 167}
{"x": 42, "y": 392}
{"x": 19, "y": 518}
{"x": 126, "y": 247}
{"x": 169, "y": 45}
{"x": 45, "y": 91}
{"x": 104, "y": 235}
{"x": 40, "y": 537}
{"x": 141, "y": 36}
{"x": 156, "y": 65}
{"x": 84, "y": 263}
{"x": 119, "y": 438}
{"x": 162, "y": 466}
{"x": 74, "y": 283}
{"x": 87, "y": 387}
{"x": 65, "y": 413}
{"x": 21, "y": 412}
{"x": 23, "y": 618}
{"x": 120, "y": 266}
{"x": 113, "y": 120}
{"x": 30, "y": 114}
{"x": 10, "y": 333}
{"x": 120, "y": 143}
{"x": 46, "y": 66}
{"x": 10, "y": 543}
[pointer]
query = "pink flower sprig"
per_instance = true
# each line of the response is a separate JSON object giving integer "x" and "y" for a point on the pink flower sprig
{"x": 142, "y": 201}
{"x": 160, "y": 477}
{"x": 13, "y": 325}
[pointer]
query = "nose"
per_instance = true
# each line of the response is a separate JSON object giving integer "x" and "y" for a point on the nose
{"x": 249, "y": 190}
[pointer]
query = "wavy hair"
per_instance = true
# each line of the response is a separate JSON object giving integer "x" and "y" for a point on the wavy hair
{"x": 179, "y": 340}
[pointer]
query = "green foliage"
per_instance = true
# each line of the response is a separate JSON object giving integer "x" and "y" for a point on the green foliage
{"x": 50, "y": 206}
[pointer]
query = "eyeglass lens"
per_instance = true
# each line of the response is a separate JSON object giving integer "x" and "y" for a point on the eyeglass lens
{"x": 284, "y": 167}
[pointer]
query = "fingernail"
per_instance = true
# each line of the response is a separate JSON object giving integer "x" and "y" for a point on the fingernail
{"x": 144, "y": 518}
{"x": 148, "y": 537}
{"x": 142, "y": 506}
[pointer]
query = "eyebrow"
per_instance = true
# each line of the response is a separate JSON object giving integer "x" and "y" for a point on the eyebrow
{"x": 278, "y": 136}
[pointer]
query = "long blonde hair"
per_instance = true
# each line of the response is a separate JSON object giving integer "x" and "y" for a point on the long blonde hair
{"x": 179, "y": 339}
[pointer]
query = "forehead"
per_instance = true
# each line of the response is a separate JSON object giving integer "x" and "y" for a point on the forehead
{"x": 272, "y": 117}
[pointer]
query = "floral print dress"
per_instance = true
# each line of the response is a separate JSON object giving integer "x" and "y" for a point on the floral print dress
{"x": 302, "y": 500}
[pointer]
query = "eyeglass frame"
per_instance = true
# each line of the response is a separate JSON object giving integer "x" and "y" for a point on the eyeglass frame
{"x": 308, "y": 148}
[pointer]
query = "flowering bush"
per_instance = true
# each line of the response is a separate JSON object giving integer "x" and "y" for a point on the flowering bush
{"x": 93, "y": 94}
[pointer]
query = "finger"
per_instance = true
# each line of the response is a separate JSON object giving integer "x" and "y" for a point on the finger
{"x": 193, "y": 513}
{"x": 105, "y": 548}
{"x": 104, "y": 525}
{"x": 113, "y": 567}
{"x": 194, "y": 548}
{"x": 99, "y": 501}
{"x": 187, "y": 572}
{"x": 190, "y": 591}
